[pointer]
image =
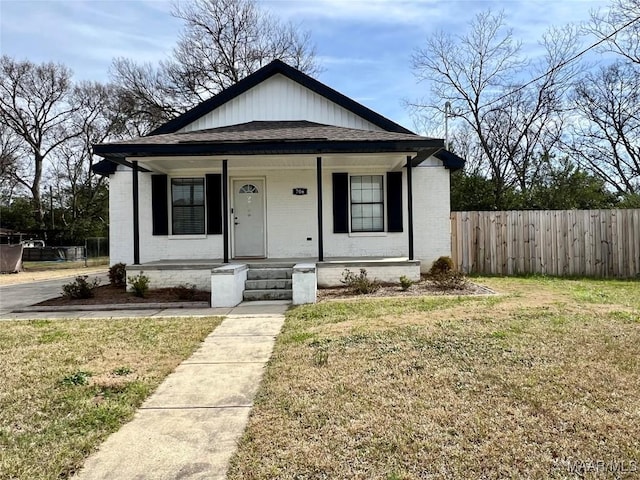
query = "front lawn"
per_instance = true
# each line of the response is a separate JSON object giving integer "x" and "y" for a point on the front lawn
{"x": 65, "y": 385}
{"x": 540, "y": 382}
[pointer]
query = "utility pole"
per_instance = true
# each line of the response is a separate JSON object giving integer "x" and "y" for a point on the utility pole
{"x": 447, "y": 112}
{"x": 53, "y": 220}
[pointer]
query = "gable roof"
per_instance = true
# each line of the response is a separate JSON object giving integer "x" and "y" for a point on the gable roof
{"x": 273, "y": 68}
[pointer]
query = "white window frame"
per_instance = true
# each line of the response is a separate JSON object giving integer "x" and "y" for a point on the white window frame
{"x": 184, "y": 236}
{"x": 369, "y": 233}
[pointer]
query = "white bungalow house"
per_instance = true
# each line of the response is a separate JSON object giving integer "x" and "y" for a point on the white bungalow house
{"x": 278, "y": 176}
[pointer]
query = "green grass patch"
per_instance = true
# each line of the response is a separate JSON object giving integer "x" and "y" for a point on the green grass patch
{"x": 513, "y": 386}
{"x": 334, "y": 312}
{"x": 68, "y": 384}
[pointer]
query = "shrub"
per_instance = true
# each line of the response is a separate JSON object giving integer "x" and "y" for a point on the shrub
{"x": 359, "y": 284}
{"x": 405, "y": 282}
{"x": 450, "y": 280}
{"x": 80, "y": 287}
{"x": 139, "y": 284}
{"x": 186, "y": 291}
{"x": 118, "y": 275}
{"x": 441, "y": 265}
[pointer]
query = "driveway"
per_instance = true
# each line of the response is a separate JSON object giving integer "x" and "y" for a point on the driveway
{"x": 25, "y": 294}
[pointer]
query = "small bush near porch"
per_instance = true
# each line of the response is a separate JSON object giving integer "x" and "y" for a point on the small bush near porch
{"x": 65, "y": 385}
{"x": 540, "y": 382}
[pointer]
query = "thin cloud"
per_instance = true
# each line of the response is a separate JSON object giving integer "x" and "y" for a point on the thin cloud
{"x": 328, "y": 60}
{"x": 364, "y": 45}
{"x": 372, "y": 11}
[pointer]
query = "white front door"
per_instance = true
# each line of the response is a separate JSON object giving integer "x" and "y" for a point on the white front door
{"x": 248, "y": 218}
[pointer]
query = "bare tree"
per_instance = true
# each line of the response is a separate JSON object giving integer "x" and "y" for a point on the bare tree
{"x": 606, "y": 137}
{"x": 513, "y": 122}
{"x": 222, "y": 42}
{"x": 35, "y": 108}
{"x": 79, "y": 190}
{"x": 145, "y": 95}
{"x": 623, "y": 17}
{"x": 9, "y": 162}
{"x": 225, "y": 40}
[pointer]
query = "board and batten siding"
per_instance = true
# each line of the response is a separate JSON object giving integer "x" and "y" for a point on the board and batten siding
{"x": 279, "y": 98}
{"x": 598, "y": 243}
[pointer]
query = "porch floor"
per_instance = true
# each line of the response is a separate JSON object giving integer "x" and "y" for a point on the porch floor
{"x": 329, "y": 272}
{"x": 180, "y": 264}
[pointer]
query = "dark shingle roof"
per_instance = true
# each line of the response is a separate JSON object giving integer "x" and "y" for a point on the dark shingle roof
{"x": 273, "y": 137}
{"x": 272, "y": 131}
{"x": 268, "y": 138}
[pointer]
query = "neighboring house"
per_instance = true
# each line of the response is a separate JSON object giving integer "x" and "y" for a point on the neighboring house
{"x": 278, "y": 168}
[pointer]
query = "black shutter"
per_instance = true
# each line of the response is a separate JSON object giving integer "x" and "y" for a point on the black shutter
{"x": 340, "y": 202}
{"x": 394, "y": 201}
{"x": 159, "y": 205}
{"x": 214, "y": 203}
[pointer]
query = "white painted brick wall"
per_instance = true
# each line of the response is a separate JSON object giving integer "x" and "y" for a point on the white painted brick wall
{"x": 120, "y": 217}
{"x": 152, "y": 247}
{"x": 201, "y": 278}
{"x": 161, "y": 247}
{"x": 291, "y": 219}
{"x": 382, "y": 244}
{"x": 431, "y": 224}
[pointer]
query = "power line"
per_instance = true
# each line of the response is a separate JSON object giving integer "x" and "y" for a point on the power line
{"x": 564, "y": 63}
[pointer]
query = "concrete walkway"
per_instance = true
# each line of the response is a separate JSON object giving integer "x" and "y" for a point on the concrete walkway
{"x": 244, "y": 309}
{"x": 189, "y": 428}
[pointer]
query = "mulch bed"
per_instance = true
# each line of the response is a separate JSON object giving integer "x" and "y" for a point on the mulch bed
{"x": 108, "y": 294}
{"x": 421, "y": 288}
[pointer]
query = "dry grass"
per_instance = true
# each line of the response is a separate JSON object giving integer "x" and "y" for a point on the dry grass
{"x": 39, "y": 271}
{"x": 541, "y": 382}
{"x": 49, "y": 266}
{"x": 65, "y": 385}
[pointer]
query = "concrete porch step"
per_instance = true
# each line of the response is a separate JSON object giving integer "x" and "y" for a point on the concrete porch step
{"x": 272, "y": 284}
{"x": 254, "y": 295}
{"x": 269, "y": 273}
{"x": 260, "y": 265}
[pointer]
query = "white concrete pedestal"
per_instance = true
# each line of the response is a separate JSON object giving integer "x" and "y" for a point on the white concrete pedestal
{"x": 304, "y": 282}
{"x": 227, "y": 285}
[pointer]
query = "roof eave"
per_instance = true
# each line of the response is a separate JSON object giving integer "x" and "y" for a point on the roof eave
{"x": 123, "y": 151}
{"x": 450, "y": 160}
{"x": 109, "y": 165}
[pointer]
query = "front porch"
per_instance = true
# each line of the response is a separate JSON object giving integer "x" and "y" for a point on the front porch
{"x": 228, "y": 280}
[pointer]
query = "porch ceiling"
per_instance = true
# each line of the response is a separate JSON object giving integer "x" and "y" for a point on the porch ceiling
{"x": 389, "y": 161}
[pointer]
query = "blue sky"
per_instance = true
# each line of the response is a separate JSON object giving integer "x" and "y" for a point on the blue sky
{"x": 364, "y": 46}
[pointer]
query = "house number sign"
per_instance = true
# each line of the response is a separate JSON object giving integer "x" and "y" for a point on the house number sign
{"x": 299, "y": 191}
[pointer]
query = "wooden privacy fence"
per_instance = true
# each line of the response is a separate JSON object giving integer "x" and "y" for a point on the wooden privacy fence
{"x": 598, "y": 243}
